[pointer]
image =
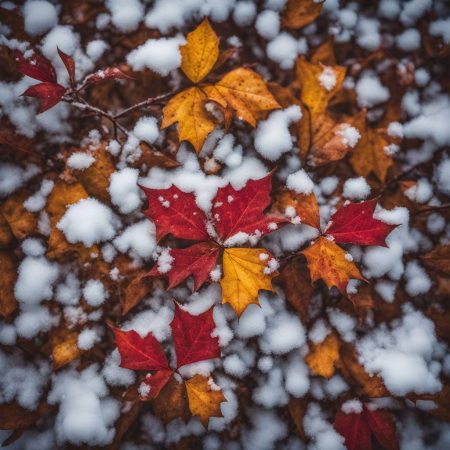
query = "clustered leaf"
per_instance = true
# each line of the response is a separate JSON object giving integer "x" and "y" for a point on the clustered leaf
{"x": 237, "y": 217}
{"x": 193, "y": 340}
{"x": 241, "y": 91}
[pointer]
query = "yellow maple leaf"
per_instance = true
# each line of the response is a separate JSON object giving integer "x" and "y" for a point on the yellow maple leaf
{"x": 245, "y": 272}
{"x": 204, "y": 398}
{"x": 318, "y": 84}
{"x": 327, "y": 261}
{"x": 245, "y": 92}
{"x": 322, "y": 357}
{"x": 299, "y": 13}
{"x": 188, "y": 109}
{"x": 371, "y": 155}
{"x": 200, "y": 53}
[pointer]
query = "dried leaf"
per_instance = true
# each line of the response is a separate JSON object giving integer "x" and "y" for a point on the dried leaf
{"x": 297, "y": 286}
{"x": 8, "y": 275}
{"x": 172, "y": 402}
{"x": 245, "y": 92}
{"x": 438, "y": 259}
{"x": 322, "y": 357}
{"x": 327, "y": 261}
{"x": 21, "y": 222}
{"x": 204, "y": 398}
{"x": 188, "y": 109}
{"x": 318, "y": 84}
{"x": 305, "y": 206}
{"x": 299, "y": 13}
{"x": 64, "y": 344}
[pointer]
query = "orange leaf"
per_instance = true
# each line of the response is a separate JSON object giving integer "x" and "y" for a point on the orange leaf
{"x": 244, "y": 275}
{"x": 95, "y": 179}
{"x": 22, "y": 222}
{"x": 200, "y": 53}
{"x": 327, "y": 261}
{"x": 354, "y": 373}
{"x": 299, "y": 13}
{"x": 188, "y": 109}
{"x": 245, "y": 92}
{"x": 63, "y": 195}
{"x": 306, "y": 207}
{"x": 322, "y": 357}
{"x": 329, "y": 138}
{"x": 371, "y": 154}
{"x": 204, "y": 398}
{"x": 64, "y": 344}
{"x": 318, "y": 84}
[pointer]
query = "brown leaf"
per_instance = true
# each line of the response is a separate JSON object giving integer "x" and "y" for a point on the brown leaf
{"x": 153, "y": 158}
{"x": 13, "y": 416}
{"x": 354, "y": 373}
{"x": 299, "y": 13}
{"x": 21, "y": 222}
{"x": 139, "y": 287}
{"x": 297, "y": 409}
{"x": 324, "y": 53}
{"x": 6, "y": 236}
{"x": 8, "y": 274}
{"x": 172, "y": 402}
{"x": 362, "y": 301}
{"x": 297, "y": 286}
{"x": 95, "y": 179}
{"x": 328, "y": 140}
{"x": 125, "y": 421}
{"x": 438, "y": 259}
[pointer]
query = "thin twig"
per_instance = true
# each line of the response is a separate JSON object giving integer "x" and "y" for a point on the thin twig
{"x": 85, "y": 106}
{"x": 432, "y": 209}
{"x": 144, "y": 103}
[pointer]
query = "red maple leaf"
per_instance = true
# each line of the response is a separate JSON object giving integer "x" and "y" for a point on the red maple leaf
{"x": 192, "y": 340}
{"x": 358, "y": 429}
{"x": 70, "y": 65}
{"x": 36, "y": 66}
{"x": 354, "y": 224}
{"x": 110, "y": 73}
{"x": 192, "y": 336}
{"x": 236, "y": 216}
{"x": 49, "y": 92}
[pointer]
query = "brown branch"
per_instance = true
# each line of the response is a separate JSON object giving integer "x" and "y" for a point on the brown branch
{"x": 145, "y": 103}
{"x": 83, "y": 105}
{"x": 432, "y": 209}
